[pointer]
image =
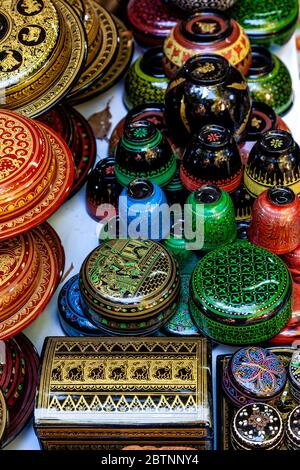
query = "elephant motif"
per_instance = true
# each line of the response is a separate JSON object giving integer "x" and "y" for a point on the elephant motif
{"x": 56, "y": 373}
{"x": 118, "y": 373}
{"x": 184, "y": 373}
{"x": 75, "y": 374}
{"x": 97, "y": 373}
{"x": 163, "y": 372}
{"x": 141, "y": 373}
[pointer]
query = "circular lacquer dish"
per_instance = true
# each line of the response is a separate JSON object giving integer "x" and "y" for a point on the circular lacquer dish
{"x": 3, "y": 418}
{"x": 12, "y": 374}
{"x": 292, "y": 433}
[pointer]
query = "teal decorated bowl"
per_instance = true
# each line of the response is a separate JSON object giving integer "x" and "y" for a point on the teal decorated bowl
{"x": 266, "y": 22}
{"x": 240, "y": 294}
{"x": 269, "y": 80}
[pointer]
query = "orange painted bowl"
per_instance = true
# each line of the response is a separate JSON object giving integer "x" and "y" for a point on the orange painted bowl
{"x": 208, "y": 31}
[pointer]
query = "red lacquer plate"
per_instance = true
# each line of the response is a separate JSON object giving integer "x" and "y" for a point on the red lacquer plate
{"x": 49, "y": 276}
{"x": 3, "y": 417}
{"x": 58, "y": 190}
{"x": 12, "y": 374}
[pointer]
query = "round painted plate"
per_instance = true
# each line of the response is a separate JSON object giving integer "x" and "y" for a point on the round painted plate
{"x": 52, "y": 238}
{"x": 3, "y": 417}
{"x": 58, "y": 192}
{"x": 116, "y": 71}
{"x": 78, "y": 6}
{"x": 22, "y": 413}
{"x": 106, "y": 54}
{"x": 12, "y": 374}
{"x": 49, "y": 278}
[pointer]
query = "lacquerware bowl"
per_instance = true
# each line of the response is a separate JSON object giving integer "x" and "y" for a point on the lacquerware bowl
{"x": 267, "y": 23}
{"x": 146, "y": 81}
{"x": 212, "y": 157}
{"x": 240, "y": 294}
{"x": 269, "y": 80}
{"x": 143, "y": 152}
{"x": 273, "y": 161}
{"x": 192, "y": 6}
{"x": 207, "y": 90}
{"x": 207, "y": 32}
{"x": 276, "y": 220}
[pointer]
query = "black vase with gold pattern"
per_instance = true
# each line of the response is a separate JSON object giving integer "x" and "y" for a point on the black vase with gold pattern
{"x": 207, "y": 90}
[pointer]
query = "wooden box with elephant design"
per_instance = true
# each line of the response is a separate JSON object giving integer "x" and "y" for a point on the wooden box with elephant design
{"x": 108, "y": 393}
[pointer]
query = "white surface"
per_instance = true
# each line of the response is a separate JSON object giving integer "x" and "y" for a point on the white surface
{"x": 78, "y": 231}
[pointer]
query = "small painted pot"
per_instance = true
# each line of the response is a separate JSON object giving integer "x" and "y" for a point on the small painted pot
{"x": 276, "y": 220}
{"x": 243, "y": 203}
{"x": 292, "y": 430}
{"x": 146, "y": 81}
{"x": 192, "y": 6}
{"x": 267, "y": 23}
{"x": 273, "y": 161}
{"x": 254, "y": 375}
{"x": 207, "y": 90}
{"x": 209, "y": 212}
{"x": 150, "y": 21}
{"x": 263, "y": 118}
{"x": 70, "y": 312}
{"x": 102, "y": 190}
{"x": 143, "y": 152}
{"x": 257, "y": 426}
{"x": 269, "y": 80}
{"x": 140, "y": 207}
{"x": 292, "y": 260}
{"x": 240, "y": 294}
{"x": 212, "y": 157}
{"x": 207, "y": 32}
{"x": 294, "y": 376}
{"x": 129, "y": 287}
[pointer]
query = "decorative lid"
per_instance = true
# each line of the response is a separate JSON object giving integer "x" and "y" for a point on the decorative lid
{"x": 140, "y": 134}
{"x": 257, "y": 372}
{"x": 151, "y": 17}
{"x": 3, "y": 417}
{"x": 206, "y": 69}
{"x": 293, "y": 427}
{"x": 214, "y": 136}
{"x": 140, "y": 189}
{"x": 28, "y": 36}
{"x": 276, "y": 142}
{"x": 208, "y": 194}
{"x": 263, "y": 118}
{"x": 262, "y": 62}
{"x": 129, "y": 278}
{"x": 281, "y": 196}
{"x": 294, "y": 370}
{"x": 240, "y": 283}
{"x": 257, "y": 426}
{"x": 206, "y": 26}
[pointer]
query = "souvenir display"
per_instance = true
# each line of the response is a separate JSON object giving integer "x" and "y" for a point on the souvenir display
{"x": 129, "y": 286}
{"x": 294, "y": 376}
{"x": 292, "y": 433}
{"x": 257, "y": 426}
{"x": 212, "y": 157}
{"x": 31, "y": 273}
{"x": 85, "y": 395}
{"x": 254, "y": 375}
{"x": 71, "y": 315}
{"x": 42, "y": 53}
{"x": 150, "y": 20}
{"x": 191, "y": 6}
{"x": 102, "y": 189}
{"x": 143, "y": 201}
{"x": 207, "y": 31}
{"x": 207, "y": 90}
{"x": 226, "y": 410}
{"x": 273, "y": 161}
{"x": 267, "y": 23}
{"x": 210, "y": 213}
{"x": 242, "y": 202}
{"x": 275, "y": 220}
{"x": 146, "y": 81}
{"x": 269, "y": 80}
{"x": 144, "y": 152}
{"x": 240, "y": 294}
{"x": 20, "y": 411}
{"x": 263, "y": 118}
{"x": 77, "y": 133}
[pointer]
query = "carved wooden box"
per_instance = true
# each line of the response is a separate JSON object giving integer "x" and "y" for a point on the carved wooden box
{"x": 108, "y": 393}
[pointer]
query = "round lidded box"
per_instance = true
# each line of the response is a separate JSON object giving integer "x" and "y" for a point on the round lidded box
{"x": 129, "y": 286}
{"x": 241, "y": 294}
{"x": 292, "y": 433}
{"x": 257, "y": 426}
{"x": 294, "y": 376}
{"x": 254, "y": 375}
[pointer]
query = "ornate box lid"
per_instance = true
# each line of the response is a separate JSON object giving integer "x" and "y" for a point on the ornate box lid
{"x": 99, "y": 382}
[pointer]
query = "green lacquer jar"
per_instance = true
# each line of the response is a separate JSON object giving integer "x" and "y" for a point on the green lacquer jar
{"x": 240, "y": 294}
{"x": 269, "y": 80}
{"x": 146, "y": 81}
{"x": 266, "y": 22}
{"x": 210, "y": 213}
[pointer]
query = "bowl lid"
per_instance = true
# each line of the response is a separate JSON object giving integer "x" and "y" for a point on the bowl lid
{"x": 293, "y": 426}
{"x": 258, "y": 372}
{"x": 28, "y": 36}
{"x": 240, "y": 283}
{"x": 294, "y": 370}
{"x": 262, "y": 18}
{"x": 3, "y": 417}
{"x": 276, "y": 142}
{"x": 257, "y": 426}
{"x": 206, "y": 26}
{"x": 151, "y": 17}
{"x": 206, "y": 69}
{"x": 263, "y": 118}
{"x": 129, "y": 278}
